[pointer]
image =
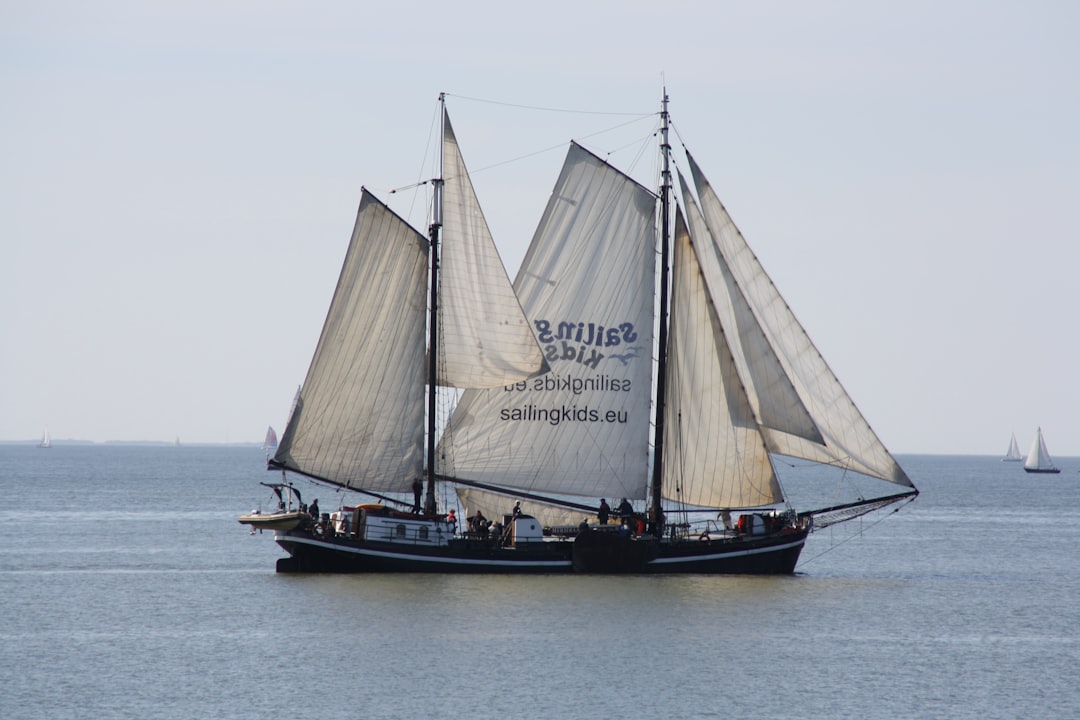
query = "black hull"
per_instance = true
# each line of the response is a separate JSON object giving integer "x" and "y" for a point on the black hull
{"x": 591, "y": 552}
{"x": 1045, "y": 471}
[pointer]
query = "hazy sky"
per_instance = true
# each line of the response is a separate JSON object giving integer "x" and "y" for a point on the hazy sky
{"x": 178, "y": 183}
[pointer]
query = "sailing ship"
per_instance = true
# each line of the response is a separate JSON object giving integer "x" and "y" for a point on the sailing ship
{"x": 1013, "y": 455}
{"x": 595, "y": 375}
{"x": 1038, "y": 459}
{"x": 270, "y": 442}
{"x": 46, "y": 439}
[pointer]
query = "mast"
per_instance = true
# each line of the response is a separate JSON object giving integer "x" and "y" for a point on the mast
{"x": 656, "y": 512}
{"x": 434, "y": 231}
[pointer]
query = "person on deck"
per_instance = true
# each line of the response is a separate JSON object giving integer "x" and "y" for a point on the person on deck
{"x": 480, "y": 525}
{"x": 417, "y": 489}
{"x": 313, "y": 510}
{"x": 604, "y": 511}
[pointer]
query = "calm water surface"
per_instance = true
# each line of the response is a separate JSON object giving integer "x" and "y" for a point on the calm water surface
{"x": 130, "y": 591}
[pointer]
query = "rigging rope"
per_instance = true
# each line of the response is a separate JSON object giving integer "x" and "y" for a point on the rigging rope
{"x": 854, "y": 535}
{"x": 548, "y": 109}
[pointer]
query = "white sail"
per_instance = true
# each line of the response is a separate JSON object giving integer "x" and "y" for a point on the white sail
{"x": 849, "y": 440}
{"x": 714, "y": 454}
{"x": 776, "y": 402}
{"x": 586, "y": 284}
{"x": 270, "y": 442}
{"x": 486, "y": 340}
{"x": 358, "y": 420}
{"x": 1039, "y": 457}
{"x": 1013, "y": 453}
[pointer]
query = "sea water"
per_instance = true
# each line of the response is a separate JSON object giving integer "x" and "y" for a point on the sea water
{"x": 129, "y": 590}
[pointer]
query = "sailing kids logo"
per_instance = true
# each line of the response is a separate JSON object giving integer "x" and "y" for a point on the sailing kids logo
{"x": 586, "y": 343}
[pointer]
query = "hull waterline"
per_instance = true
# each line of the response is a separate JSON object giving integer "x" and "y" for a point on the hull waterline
{"x": 773, "y": 554}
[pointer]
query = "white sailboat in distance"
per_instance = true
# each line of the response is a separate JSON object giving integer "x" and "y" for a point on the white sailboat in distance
{"x": 1038, "y": 459}
{"x": 1013, "y": 454}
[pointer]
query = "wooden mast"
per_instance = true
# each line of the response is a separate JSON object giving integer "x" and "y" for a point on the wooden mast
{"x": 656, "y": 512}
{"x": 434, "y": 231}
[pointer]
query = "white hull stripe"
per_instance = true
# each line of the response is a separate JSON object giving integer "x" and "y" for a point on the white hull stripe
{"x": 729, "y": 554}
{"x": 366, "y": 552}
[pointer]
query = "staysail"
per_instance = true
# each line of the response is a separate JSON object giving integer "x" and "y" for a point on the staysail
{"x": 776, "y": 402}
{"x": 486, "y": 340}
{"x": 849, "y": 442}
{"x": 714, "y": 454}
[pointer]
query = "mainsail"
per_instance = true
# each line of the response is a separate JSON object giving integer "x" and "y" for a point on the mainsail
{"x": 586, "y": 284}
{"x": 358, "y": 420}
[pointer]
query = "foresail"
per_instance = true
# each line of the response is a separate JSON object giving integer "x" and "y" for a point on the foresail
{"x": 358, "y": 420}
{"x": 849, "y": 440}
{"x": 486, "y": 339}
{"x": 586, "y": 284}
{"x": 775, "y": 401}
{"x": 714, "y": 455}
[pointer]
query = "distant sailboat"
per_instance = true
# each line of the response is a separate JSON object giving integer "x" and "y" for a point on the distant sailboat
{"x": 1014, "y": 451}
{"x": 270, "y": 443}
{"x": 46, "y": 440}
{"x": 1038, "y": 460}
